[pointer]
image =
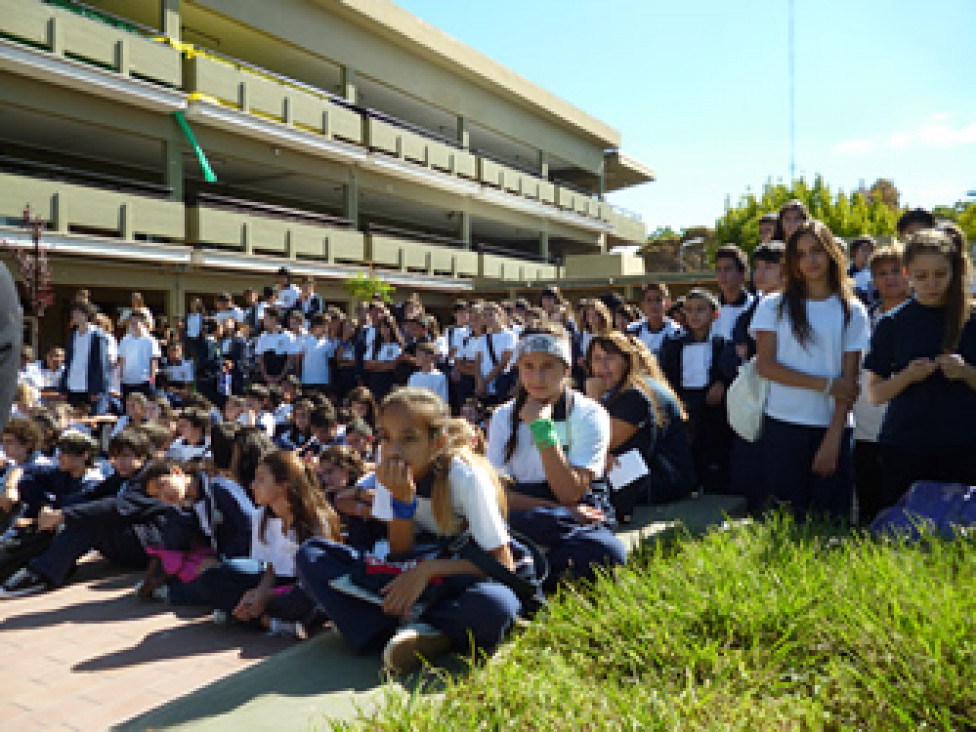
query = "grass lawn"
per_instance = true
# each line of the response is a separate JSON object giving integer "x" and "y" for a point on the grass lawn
{"x": 764, "y": 625}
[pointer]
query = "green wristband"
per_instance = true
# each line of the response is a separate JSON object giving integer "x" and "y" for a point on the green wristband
{"x": 544, "y": 433}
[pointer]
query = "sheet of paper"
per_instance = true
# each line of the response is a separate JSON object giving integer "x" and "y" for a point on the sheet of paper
{"x": 630, "y": 467}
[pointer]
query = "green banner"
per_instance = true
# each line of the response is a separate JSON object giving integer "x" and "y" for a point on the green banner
{"x": 208, "y": 174}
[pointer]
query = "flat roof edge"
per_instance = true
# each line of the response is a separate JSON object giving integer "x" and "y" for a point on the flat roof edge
{"x": 398, "y": 23}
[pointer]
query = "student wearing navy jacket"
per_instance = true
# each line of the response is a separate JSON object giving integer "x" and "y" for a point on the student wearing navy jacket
{"x": 692, "y": 364}
{"x": 87, "y": 371}
{"x": 26, "y": 492}
{"x": 119, "y": 527}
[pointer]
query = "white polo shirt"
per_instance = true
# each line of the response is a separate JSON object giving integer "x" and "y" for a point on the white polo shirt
{"x": 586, "y": 432}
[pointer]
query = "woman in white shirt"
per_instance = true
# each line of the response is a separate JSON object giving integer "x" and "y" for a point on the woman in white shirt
{"x": 809, "y": 340}
{"x": 552, "y": 443}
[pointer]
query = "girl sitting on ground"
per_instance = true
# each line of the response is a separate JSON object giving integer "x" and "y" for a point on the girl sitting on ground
{"x": 261, "y": 589}
{"x": 552, "y": 441}
{"x": 425, "y": 485}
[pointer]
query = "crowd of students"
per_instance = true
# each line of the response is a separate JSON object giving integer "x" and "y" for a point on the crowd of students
{"x": 271, "y": 460}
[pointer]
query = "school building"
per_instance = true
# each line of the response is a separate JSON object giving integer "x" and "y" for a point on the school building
{"x": 343, "y": 136}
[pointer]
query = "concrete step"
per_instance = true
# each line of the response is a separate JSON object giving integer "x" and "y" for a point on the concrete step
{"x": 696, "y": 515}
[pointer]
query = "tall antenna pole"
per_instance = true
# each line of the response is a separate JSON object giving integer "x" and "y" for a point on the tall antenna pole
{"x": 792, "y": 82}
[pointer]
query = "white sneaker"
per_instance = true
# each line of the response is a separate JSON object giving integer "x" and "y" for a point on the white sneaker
{"x": 412, "y": 644}
{"x": 288, "y": 628}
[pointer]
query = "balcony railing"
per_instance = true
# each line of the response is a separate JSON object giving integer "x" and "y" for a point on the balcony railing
{"x": 71, "y": 35}
{"x": 128, "y": 50}
{"x": 258, "y": 232}
{"x": 71, "y": 206}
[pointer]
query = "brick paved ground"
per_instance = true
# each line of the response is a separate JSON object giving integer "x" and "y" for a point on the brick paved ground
{"x": 90, "y": 655}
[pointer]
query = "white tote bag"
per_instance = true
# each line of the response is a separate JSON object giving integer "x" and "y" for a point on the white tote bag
{"x": 746, "y": 401}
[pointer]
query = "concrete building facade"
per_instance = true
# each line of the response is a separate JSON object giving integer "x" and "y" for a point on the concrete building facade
{"x": 344, "y": 136}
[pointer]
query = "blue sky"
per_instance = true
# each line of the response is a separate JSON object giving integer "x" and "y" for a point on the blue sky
{"x": 699, "y": 89}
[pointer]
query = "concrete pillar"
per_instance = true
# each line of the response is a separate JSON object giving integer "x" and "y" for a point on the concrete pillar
{"x": 464, "y": 228}
{"x": 544, "y": 244}
{"x": 169, "y": 19}
{"x": 176, "y": 296}
{"x": 351, "y": 200}
{"x": 173, "y": 152}
{"x": 348, "y": 83}
{"x": 463, "y": 133}
{"x": 544, "y": 165}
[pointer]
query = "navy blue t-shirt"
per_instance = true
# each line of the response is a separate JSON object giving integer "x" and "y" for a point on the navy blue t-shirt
{"x": 935, "y": 412}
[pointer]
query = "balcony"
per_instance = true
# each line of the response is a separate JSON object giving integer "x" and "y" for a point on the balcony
{"x": 114, "y": 47}
{"x": 240, "y": 86}
{"x": 220, "y": 222}
{"x": 121, "y": 48}
{"x": 406, "y": 255}
{"x": 627, "y": 227}
{"x": 73, "y": 206}
{"x": 399, "y": 142}
{"x": 245, "y": 88}
{"x": 511, "y": 269}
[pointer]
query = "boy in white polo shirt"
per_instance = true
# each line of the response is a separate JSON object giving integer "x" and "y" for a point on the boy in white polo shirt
{"x": 139, "y": 356}
{"x": 275, "y": 349}
{"x": 314, "y": 350}
{"x": 428, "y": 377}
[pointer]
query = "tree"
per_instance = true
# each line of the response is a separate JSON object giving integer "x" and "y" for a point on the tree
{"x": 884, "y": 190}
{"x": 846, "y": 216}
{"x": 364, "y": 288}
{"x": 963, "y": 214}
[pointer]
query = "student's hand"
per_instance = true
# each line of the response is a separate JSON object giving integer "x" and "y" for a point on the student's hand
{"x": 400, "y": 595}
{"x": 587, "y": 514}
{"x": 595, "y": 387}
{"x": 533, "y": 409}
{"x": 251, "y": 605}
{"x": 713, "y": 397}
{"x": 742, "y": 351}
{"x": 844, "y": 390}
{"x": 7, "y": 499}
{"x": 825, "y": 461}
{"x": 396, "y": 476}
{"x": 920, "y": 369}
{"x": 952, "y": 365}
{"x": 49, "y": 518}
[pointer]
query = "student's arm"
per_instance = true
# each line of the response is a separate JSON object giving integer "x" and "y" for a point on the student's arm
{"x": 568, "y": 483}
{"x": 955, "y": 368}
{"x": 395, "y": 475}
{"x": 11, "y": 494}
{"x": 404, "y": 591}
{"x": 882, "y": 390}
{"x": 843, "y": 388}
{"x": 825, "y": 460}
{"x": 254, "y": 602}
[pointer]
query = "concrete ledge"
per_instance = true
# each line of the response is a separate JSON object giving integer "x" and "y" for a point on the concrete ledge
{"x": 696, "y": 515}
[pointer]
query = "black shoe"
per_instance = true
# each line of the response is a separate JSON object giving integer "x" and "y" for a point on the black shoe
{"x": 23, "y": 582}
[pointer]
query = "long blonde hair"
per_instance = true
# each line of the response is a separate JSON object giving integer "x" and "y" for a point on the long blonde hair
{"x": 457, "y": 444}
